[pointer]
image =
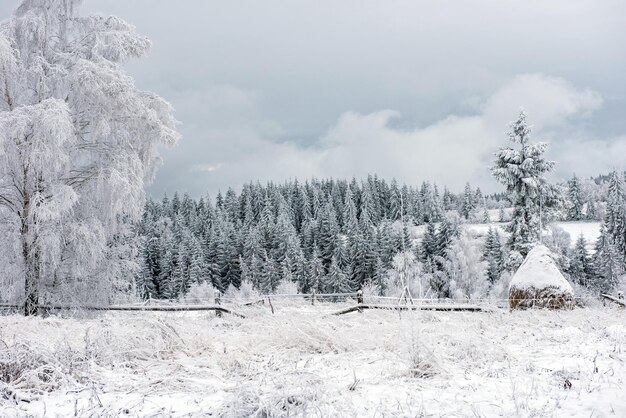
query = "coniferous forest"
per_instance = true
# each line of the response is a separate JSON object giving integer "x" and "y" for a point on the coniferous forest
{"x": 334, "y": 236}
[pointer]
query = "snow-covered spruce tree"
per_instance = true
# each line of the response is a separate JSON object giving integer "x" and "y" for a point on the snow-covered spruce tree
{"x": 501, "y": 214}
{"x": 521, "y": 170}
{"x": 431, "y": 205}
{"x": 77, "y": 142}
{"x": 575, "y": 199}
{"x": 428, "y": 247}
{"x": 468, "y": 203}
{"x": 493, "y": 254}
{"x": 484, "y": 217}
{"x": 580, "y": 267}
{"x": 607, "y": 262}
{"x": 591, "y": 212}
{"x": 328, "y": 233}
{"x": 336, "y": 281}
{"x": 615, "y": 218}
{"x": 448, "y": 200}
{"x": 316, "y": 273}
{"x": 379, "y": 281}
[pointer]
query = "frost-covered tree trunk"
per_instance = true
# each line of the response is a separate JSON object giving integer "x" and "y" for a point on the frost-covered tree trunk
{"x": 77, "y": 142}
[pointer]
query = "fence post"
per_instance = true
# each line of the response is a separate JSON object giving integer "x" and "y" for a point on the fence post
{"x": 359, "y": 299}
{"x": 218, "y": 302}
{"x": 313, "y": 298}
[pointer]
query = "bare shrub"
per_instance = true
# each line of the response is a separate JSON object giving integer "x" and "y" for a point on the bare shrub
{"x": 27, "y": 369}
{"x": 285, "y": 399}
{"x": 422, "y": 364}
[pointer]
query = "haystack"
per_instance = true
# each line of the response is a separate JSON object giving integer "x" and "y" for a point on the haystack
{"x": 538, "y": 283}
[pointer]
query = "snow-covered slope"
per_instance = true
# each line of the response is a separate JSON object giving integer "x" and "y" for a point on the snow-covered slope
{"x": 590, "y": 230}
{"x": 481, "y": 230}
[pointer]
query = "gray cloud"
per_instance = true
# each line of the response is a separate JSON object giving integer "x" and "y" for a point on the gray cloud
{"x": 275, "y": 89}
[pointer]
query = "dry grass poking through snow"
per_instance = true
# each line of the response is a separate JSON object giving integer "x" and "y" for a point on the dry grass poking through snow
{"x": 302, "y": 363}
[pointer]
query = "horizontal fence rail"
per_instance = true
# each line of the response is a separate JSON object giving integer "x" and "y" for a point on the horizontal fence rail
{"x": 133, "y": 308}
{"x": 416, "y": 307}
{"x": 363, "y": 302}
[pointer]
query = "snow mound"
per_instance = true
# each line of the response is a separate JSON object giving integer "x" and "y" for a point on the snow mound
{"x": 539, "y": 283}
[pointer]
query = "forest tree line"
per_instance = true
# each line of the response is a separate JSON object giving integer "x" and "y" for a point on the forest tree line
{"x": 330, "y": 236}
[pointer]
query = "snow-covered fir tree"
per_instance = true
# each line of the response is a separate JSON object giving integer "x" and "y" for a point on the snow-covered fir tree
{"x": 580, "y": 266}
{"x": 575, "y": 199}
{"x": 469, "y": 202}
{"x": 615, "y": 218}
{"x": 607, "y": 262}
{"x": 493, "y": 254}
{"x": 522, "y": 171}
{"x": 336, "y": 281}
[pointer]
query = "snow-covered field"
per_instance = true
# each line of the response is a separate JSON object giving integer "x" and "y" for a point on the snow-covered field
{"x": 589, "y": 229}
{"x": 302, "y": 362}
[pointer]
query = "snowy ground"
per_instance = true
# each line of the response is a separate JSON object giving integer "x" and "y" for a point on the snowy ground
{"x": 589, "y": 229}
{"x": 303, "y": 362}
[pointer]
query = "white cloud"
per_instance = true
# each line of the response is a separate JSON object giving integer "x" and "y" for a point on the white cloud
{"x": 590, "y": 157}
{"x": 549, "y": 100}
{"x": 204, "y": 168}
{"x": 451, "y": 151}
{"x": 456, "y": 149}
{"x": 287, "y": 71}
{"x": 362, "y": 144}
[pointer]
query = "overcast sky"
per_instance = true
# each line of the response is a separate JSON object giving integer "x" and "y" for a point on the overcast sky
{"x": 411, "y": 89}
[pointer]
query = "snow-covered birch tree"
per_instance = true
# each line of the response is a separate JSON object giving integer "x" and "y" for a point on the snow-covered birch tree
{"x": 77, "y": 142}
{"x": 465, "y": 271}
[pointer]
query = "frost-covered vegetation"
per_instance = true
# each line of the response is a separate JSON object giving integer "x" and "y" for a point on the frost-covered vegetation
{"x": 77, "y": 141}
{"x": 299, "y": 362}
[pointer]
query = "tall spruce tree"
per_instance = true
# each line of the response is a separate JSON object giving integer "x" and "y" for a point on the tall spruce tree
{"x": 493, "y": 254}
{"x": 336, "y": 281}
{"x": 615, "y": 219}
{"x": 575, "y": 200}
{"x": 580, "y": 268}
{"x": 468, "y": 203}
{"x": 522, "y": 171}
{"x": 608, "y": 263}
